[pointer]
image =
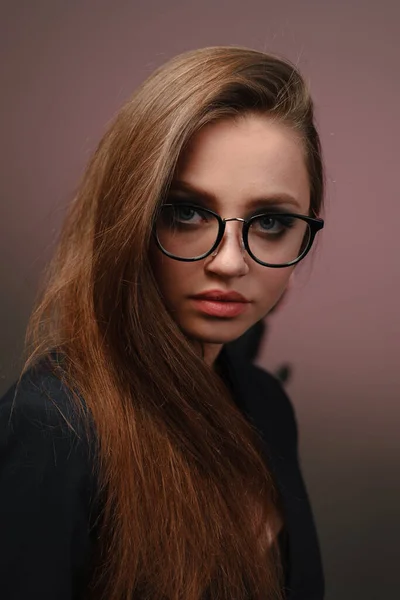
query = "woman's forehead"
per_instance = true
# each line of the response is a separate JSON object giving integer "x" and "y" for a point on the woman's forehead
{"x": 248, "y": 160}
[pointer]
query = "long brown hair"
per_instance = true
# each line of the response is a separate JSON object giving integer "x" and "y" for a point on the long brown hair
{"x": 180, "y": 470}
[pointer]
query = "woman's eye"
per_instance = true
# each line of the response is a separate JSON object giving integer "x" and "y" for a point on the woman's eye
{"x": 184, "y": 213}
{"x": 273, "y": 225}
{"x": 269, "y": 224}
{"x": 189, "y": 214}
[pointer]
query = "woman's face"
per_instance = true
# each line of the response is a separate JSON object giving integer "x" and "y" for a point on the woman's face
{"x": 234, "y": 167}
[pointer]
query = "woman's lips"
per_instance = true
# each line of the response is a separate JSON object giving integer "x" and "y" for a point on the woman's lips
{"x": 219, "y": 308}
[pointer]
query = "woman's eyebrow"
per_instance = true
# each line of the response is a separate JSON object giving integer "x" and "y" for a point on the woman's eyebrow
{"x": 255, "y": 203}
{"x": 178, "y": 185}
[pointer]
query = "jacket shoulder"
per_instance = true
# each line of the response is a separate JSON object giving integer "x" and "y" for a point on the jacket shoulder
{"x": 38, "y": 413}
{"x": 41, "y": 394}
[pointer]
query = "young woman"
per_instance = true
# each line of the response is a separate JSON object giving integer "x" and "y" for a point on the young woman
{"x": 137, "y": 458}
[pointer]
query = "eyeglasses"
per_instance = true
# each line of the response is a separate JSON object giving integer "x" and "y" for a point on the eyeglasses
{"x": 188, "y": 232}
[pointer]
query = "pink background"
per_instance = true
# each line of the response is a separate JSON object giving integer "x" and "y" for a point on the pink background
{"x": 66, "y": 68}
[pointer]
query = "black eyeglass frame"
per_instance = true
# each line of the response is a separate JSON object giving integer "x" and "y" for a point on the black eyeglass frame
{"x": 315, "y": 224}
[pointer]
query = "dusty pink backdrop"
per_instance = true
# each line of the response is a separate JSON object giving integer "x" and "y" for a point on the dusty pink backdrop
{"x": 67, "y": 66}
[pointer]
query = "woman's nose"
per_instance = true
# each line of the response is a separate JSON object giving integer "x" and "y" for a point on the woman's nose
{"x": 230, "y": 258}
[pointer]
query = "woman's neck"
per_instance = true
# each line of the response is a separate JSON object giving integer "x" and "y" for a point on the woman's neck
{"x": 211, "y": 352}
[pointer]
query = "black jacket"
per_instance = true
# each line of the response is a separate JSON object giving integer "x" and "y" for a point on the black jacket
{"x": 261, "y": 398}
{"x": 47, "y": 486}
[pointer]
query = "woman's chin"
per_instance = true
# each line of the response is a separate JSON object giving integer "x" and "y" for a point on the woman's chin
{"x": 216, "y": 332}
